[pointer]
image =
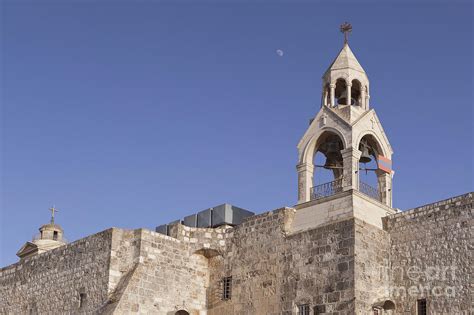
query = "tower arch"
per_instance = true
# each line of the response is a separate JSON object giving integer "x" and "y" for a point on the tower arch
{"x": 340, "y": 92}
{"x": 356, "y": 92}
{"x": 327, "y": 142}
{"x": 316, "y": 140}
{"x": 376, "y": 183}
{"x": 375, "y": 140}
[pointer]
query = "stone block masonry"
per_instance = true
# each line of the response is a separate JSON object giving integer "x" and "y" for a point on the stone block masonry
{"x": 115, "y": 272}
{"x": 53, "y": 282}
{"x": 274, "y": 271}
{"x": 431, "y": 256}
{"x": 342, "y": 265}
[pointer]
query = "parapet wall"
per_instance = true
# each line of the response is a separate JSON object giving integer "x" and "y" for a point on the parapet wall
{"x": 431, "y": 256}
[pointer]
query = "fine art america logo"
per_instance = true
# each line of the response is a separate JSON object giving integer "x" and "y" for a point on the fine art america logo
{"x": 415, "y": 281}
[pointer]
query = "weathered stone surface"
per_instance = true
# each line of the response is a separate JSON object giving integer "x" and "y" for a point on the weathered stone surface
{"x": 52, "y": 281}
{"x": 431, "y": 256}
{"x": 338, "y": 267}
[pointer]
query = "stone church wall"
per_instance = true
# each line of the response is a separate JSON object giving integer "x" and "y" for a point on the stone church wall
{"x": 119, "y": 271}
{"x": 371, "y": 264}
{"x": 274, "y": 271}
{"x": 156, "y": 276}
{"x": 53, "y": 281}
{"x": 321, "y": 264}
{"x": 431, "y": 256}
{"x": 251, "y": 258}
{"x": 341, "y": 267}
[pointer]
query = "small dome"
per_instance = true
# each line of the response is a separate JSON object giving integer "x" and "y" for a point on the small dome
{"x": 50, "y": 227}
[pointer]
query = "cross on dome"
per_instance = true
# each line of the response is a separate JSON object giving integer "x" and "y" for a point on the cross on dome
{"x": 53, "y": 210}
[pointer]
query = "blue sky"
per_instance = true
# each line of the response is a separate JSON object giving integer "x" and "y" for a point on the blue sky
{"x": 136, "y": 113}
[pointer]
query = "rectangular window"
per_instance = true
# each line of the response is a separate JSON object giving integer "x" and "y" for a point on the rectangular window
{"x": 303, "y": 309}
{"x": 227, "y": 288}
{"x": 421, "y": 307}
{"x": 82, "y": 300}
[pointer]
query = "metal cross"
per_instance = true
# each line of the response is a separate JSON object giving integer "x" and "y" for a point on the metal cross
{"x": 53, "y": 210}
{"x": 346, "y": 28}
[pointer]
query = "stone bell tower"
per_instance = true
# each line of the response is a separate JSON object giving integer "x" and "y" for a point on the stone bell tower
{"x": 346, "y": 131}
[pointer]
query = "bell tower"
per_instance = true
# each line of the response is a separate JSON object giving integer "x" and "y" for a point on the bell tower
{"x": 348, "y": 133}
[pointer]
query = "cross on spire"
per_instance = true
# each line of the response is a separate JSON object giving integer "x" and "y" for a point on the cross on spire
{"x": 53, "y": 210}
{"x": 346, "y": 28}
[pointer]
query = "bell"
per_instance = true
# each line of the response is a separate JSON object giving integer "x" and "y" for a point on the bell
{"x": 330, "y": 163}
{"x": 342, "y": 100}
{"x": 332, "y": 149}
{"x": 365, "y": 156}
{"x": 332, "y": 154}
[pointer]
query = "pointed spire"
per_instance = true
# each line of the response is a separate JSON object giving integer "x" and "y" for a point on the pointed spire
{"x": 345, "y": 60}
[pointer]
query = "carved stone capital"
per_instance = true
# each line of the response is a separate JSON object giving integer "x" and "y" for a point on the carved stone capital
{"x": 351, "y": 152}
{"x": 305, "y": 167}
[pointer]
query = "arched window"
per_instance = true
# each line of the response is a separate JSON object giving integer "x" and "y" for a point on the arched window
{"x": 368, "y": 167}
{"x": 356, "y": 89}
{"x": 327, "y": 176}
{"x": 340, "y": 93}
{"x": 181, "y": 312}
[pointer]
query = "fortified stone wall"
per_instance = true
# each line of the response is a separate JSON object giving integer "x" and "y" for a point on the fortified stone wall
{"x": 319, "y": 269}
{"x": 53, "y": 281}
{"x": 431, "y": 255}
{"x": 152, "y": 273}
{"x": 251, "y": 258}
{"x": 162, "y": 279}
{"x": 371, "y": 265}
{"x": 273, "y": 271}
{"x": 342, "y": 266}
{"x": 117, "y": 271}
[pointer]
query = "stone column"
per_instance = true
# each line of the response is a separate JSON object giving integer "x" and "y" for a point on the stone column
{"x": 325, "y": 97}
{"x": 362, "y": 98}
{"x": 350, "y": 159}
{"x": 385, "y": 187}
{"x": 305, "y": 181}
{"x": 333, "y": 91}
{"x": 349, "y": 96}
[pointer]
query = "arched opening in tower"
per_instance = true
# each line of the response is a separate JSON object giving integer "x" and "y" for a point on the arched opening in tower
{"x": 328, "y": 159}
{"x": 356, "y": 92}
{"x": 340, "y": 92}
{"x": 368, "y": 167}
